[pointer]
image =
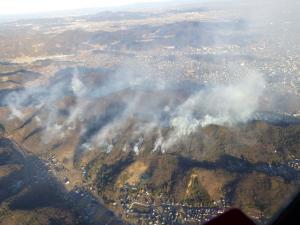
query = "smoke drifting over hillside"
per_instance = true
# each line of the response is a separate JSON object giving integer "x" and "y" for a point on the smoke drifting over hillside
{"x": 130, "y": 96}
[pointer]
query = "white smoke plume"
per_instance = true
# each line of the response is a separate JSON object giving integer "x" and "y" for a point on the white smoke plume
{"x": 221, "y": 105}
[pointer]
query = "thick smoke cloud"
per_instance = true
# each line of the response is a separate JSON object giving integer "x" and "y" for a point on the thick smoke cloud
{"x": 224, "y": 105}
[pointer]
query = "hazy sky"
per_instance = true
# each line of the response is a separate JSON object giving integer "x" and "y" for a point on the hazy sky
{"x": 8, "y": 7}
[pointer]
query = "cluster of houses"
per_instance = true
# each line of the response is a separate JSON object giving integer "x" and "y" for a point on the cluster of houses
{"x": 140, "y": 205}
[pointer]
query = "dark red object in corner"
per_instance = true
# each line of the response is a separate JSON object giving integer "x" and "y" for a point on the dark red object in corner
{"x": 231, "y": 217}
